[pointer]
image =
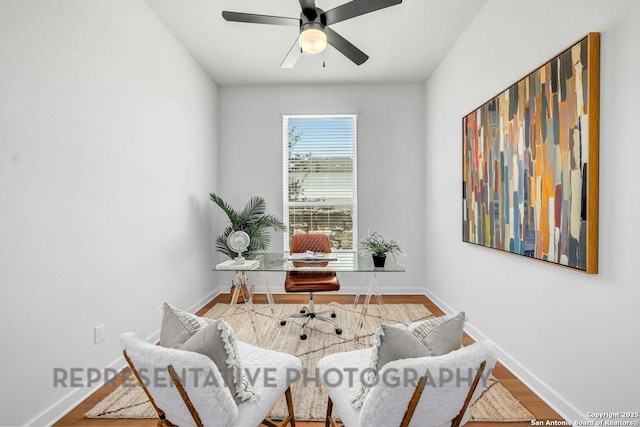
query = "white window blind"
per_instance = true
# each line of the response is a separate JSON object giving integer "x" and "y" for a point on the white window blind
{"x": 319, "y": 176}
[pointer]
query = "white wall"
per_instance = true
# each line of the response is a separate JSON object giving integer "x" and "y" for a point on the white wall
{"x": 573, "y": 337}
{"x": 390, "y": 160}
{"x": 108, "y": 145}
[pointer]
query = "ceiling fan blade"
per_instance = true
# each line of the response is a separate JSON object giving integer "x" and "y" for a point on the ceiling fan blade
{"x": 260, "y": 19}
{"x": 309, "y": 9}
{"x": 356, "y": 8}
{"x": 292, "y": 57}
{"x": 346, "y": 48}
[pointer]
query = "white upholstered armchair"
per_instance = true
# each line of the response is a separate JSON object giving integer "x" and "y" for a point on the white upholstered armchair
{"x": 432, "y": 391}
{"x": 187, "y": 388}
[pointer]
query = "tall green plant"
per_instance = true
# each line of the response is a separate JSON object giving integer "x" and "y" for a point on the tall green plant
{"x": 252, "y": 220}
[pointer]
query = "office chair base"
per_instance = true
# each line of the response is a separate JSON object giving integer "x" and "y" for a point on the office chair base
{"x": 308, "y": 314}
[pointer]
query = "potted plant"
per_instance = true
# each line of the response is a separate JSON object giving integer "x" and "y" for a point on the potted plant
{"x": 252, "y": 220}
{"x": 379, "y": 248}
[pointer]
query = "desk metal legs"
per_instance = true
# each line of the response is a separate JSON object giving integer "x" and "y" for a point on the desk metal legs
{"x": 358, "y": 292}
{"x": 239, "y": 286}
{"x": 372, "y": 290}
{"x": 265, "y": 282}
{"x": 240, "y": 283}
{"x": 251, "y": 289}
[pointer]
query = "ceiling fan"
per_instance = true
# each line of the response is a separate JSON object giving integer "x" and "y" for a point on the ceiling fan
{"x": 314, "y": 27}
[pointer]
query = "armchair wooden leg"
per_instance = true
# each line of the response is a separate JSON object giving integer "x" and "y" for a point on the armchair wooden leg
{"x": 289, "y": 419}
{"x": 287, "y": 395}
{"x": 185, "y": 396}
{"x": 457, "y": 420}
{"x": 159, "y": 411}
{"x": 329, "y": 421}
{"x": 413, "y": 403}
{"x": 292, "y": 416}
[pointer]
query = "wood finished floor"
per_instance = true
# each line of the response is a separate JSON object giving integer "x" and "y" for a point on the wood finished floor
{"x": 532, "y": 402}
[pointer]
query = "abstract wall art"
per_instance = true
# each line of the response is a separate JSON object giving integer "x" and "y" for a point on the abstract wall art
{"x": 530, "y": 163}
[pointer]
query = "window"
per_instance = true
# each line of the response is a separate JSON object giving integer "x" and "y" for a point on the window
{"x": 320, "y": 177}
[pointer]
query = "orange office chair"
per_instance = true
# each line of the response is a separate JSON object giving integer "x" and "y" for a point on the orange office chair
{"x": 311, "y": 281}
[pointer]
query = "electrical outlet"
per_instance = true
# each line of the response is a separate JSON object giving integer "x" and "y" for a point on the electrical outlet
{"x": 98, "y": 334}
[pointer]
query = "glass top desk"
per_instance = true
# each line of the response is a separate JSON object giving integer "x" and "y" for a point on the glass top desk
{"x": 336, "y": 261}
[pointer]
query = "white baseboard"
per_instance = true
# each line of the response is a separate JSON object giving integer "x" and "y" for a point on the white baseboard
{"x": 558, "y": 403}
{"x": 59, "y": 409}
{"x": 204, "y": 301}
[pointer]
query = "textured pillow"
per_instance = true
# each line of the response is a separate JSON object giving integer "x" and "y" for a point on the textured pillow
{"x": 396, "y": 342}
{"x": 178, "y": 326}
{"x": 433, "y": 337}
{"x": 217, "y": 341}
{"x": 441, "y": 335}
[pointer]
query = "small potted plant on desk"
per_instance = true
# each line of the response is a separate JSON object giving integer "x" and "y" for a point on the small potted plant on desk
{"x": 379, "y": 248}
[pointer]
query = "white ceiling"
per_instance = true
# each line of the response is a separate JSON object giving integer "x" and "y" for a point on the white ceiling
{"x": 404, "y": 42}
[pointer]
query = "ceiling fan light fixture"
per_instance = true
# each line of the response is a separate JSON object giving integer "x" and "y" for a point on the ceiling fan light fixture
{"x": 313, "y": 40}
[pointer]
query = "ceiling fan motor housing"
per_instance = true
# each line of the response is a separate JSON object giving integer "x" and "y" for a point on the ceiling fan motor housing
{"x": 314, "y": 20}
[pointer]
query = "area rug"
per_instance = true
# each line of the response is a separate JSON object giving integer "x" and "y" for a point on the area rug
{"x": 495, "y": 405}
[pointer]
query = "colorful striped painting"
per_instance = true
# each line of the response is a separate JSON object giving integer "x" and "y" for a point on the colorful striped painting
{"x": 530, "y": 163}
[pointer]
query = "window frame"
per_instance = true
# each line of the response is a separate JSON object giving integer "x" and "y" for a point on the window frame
{"x": 286, "y": 204}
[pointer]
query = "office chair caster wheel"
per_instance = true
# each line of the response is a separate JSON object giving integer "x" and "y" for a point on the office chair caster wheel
{"x": 333, "y": 315}
{"x": 283, "y": 322}
{"x": 303, "y": 311}
{"x": 303, "y": 337}
{"x": 338, "y": 331}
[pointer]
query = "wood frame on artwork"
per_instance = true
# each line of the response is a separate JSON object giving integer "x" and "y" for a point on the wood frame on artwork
{"x": 530, "y": 163}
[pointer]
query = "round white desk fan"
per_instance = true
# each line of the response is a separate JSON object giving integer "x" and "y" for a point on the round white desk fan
{"x": 239, "y": 241}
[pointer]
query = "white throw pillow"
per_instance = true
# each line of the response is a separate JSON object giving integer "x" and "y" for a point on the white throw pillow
{"x": 178, "y": 326}
{"x": 218, "y": 342}
{"x": 433, "y": 337}
{"x": 441, "y": 335}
